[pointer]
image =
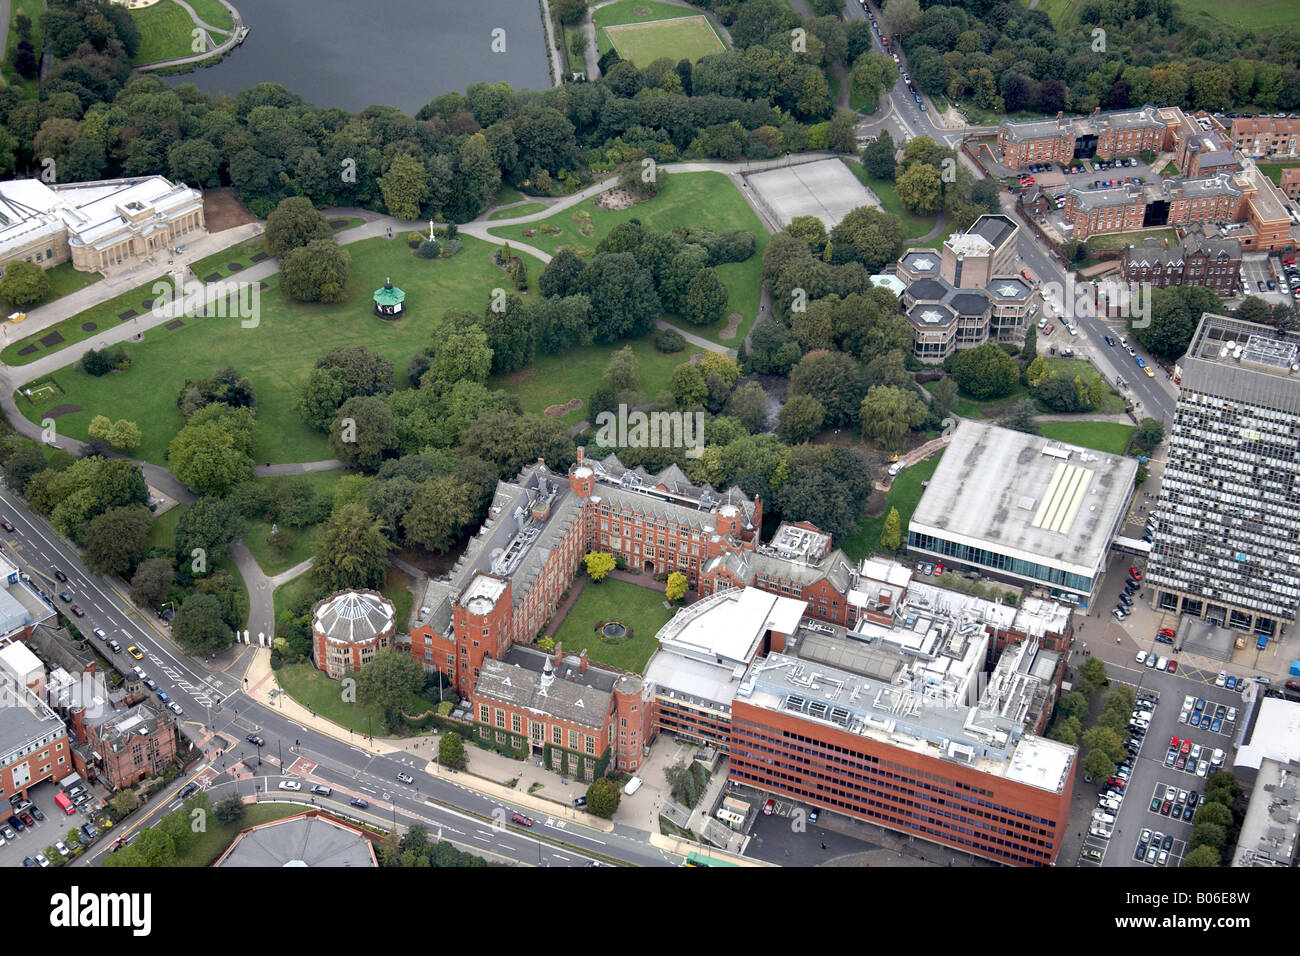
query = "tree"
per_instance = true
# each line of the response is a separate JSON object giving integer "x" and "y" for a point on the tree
{"x": 389, "y": 681}
{"x": 25, "y": 284}
{"x": 602, "y": 798}
{"x": 316, "y": 272}
{"x": 622, "y": 293}
{"x": 623, "y": 373}
{"x": 352, "y": 551}
{"x": 800, "y": 419}
{"x": 868, "y": 236}
{"x": 1098, "y": 766}
{"x": 229, "y": 811}
{"x": 213, "y": 452}
{"x": 919, "y": 189}
{"x": 200, "y": 626}
{"x": 1029, "y": 351}
{"x": 1094, "y": 671}
{"x": 117, "y": 539}
{"x": 1073, "y": 704}
{"x": 124, "y": 802}
{"x": 1253, "y": 309}
{"x": 878, "y": 156}
{"x": 22, "y": 466}
{"x": 1149, "y": 433}
{"x": 451, "y": 751}
{"x": 676, "y": 589}
{"x": 559, "y": 276}
{"x": 1209, "y": 834}
{"x": 901, "y": 16}
{"x": 364, "y": 432}
{"x": 985, "y": 372}
{"x": 891, "y": 536}
{"x": 1023, "y": 417}
{"x": 706, "y": 298}
{"x": 599, "y": 564}
{"x": 405, "y": 186}
{"x": 294, "y": 223}
{"x": 1202, "y": 856}
{"x": 1107, "y": 741}
{"x": 944, "y": 392}
{"x": 835, "y": 380}
{"x": 1214, "y": 812}
{"x": 321, "y": 396}
{"x": 207, "y": 526}
{"x": 887, "y": 414}
{"x": 122, "y": 434}
{"x": 439, "y": 509}
{"x": 152, "y": 582}
{"x": 748, "y": 405}
{"x": 689, "y": 385}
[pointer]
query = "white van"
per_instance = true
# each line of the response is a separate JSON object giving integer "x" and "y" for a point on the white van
{"x": 1105, "y": 819}
{"x": 632, "y": 786}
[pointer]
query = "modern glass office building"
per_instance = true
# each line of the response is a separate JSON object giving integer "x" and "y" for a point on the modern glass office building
{"x": 1024, "y": 508}
{"x": 1227, "y": 539}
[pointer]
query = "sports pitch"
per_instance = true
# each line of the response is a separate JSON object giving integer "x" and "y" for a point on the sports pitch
{"x": 686, "y": 38}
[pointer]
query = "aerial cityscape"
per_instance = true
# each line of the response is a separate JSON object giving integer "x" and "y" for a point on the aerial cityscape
{"x": 641, "y": 433}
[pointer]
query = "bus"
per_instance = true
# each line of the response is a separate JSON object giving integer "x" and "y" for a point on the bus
{"x": 62, "y": 800}
{"x": 699, "y": 859}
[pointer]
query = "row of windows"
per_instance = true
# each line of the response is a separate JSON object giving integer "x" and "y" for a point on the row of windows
{"x": 993, "y": 559}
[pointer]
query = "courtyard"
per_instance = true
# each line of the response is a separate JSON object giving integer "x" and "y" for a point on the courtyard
{"x": 640, "y": 609}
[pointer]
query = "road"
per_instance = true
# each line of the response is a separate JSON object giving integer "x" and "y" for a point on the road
{"x": 217, "y": 715}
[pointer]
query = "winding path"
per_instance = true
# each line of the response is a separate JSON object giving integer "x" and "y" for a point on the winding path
{"x": 234, "y": 37}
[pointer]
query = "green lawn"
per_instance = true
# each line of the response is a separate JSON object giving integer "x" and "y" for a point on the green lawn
{"x": 914, "y": 226}
{"x": 291, "y": 592}
{"x": 64, "y": 278}
{"x": 1274, "y": 170}
{"x": 256, "y": 532}
{"x": 555, "y": 379}
{"x": 397, "y": 588}
{"x": 686, "y": 199}
{"x": 507, "y": 194}
{"x": 1109, "y": 437}
{"x": 311, "y": 688}
{"x": 1119, "y": 240}
{"x": 1242, "y": 14}
{"x": 214, "y": 841}
{"x": 970, "y": 408}
{"x": 527, "y": 209}
{"x": 904, "y": 494}
{"x": 219, "y": 262}
{"x": 162, "y": 533}
{"x": 1062, "y": 12}
{"x": 1069, "y": 368}
{"x": 279, "y": 353}
{"x": 33, "y": 9}
{"x": 166, "y": 32}
{"x": 213, "y": 13}
{"x": 642, "y": 37}
{"x": 101, "y": 317}
{"x": 641, "y": 609}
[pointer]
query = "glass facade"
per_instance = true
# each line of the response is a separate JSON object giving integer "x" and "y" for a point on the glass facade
{"x": 1030, "y": 570}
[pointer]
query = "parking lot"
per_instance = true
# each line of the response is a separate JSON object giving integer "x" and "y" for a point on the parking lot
{"x": 43, "y": 824}
{"x": 1097, "y": 172}
{"x": 1171, "y": 753}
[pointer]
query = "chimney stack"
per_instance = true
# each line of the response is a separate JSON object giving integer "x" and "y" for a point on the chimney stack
{"x": 582, "y": 452}
{"x": 582, "y": 662}
{"x": 559, "y": 653}
{"x": 1060, "y": 114}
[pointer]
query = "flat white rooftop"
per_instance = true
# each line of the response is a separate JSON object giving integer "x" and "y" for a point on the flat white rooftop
{"x": 1027, "y": 497}
{"x": 825, "y": 189}
{"x": 1276, "y": 735}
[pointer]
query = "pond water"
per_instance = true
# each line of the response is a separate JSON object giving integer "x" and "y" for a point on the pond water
{"x": 392, "y": 52}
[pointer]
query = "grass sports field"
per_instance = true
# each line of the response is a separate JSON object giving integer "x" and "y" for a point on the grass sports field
{"x": 642, "y": 32}
{"x": 686, "y": 199}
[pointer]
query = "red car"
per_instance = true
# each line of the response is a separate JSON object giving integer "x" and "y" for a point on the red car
{"x": 1173, "y": 667}
{"x": 938, "y": 569}
{"x": 1293, "y": 685}
{"x": 6, "y": 525}
{"x": 522, "y": 820}
{"x": 1186, "y": 747}
{"x": 1135, "y": 574}
{"x": 1175, "y": 742}
{"x": 1166, "y": 632}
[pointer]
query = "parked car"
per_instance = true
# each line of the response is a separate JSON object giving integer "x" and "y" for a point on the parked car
{"x": 520, "y": 819}
{"x": 77, "y": 611}
{"x": 358, "y": 802}
{"x": 175, "y": 708}
{"x": 89, "y": 831}
{"x": 321, "y": 790}
{"x": 65, "y": 597}
{"x": 187, "y": 790}
{"x": 36, "y": 813}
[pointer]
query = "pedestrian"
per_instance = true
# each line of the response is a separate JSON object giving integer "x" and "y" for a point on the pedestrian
{"x": 823, "y": 846}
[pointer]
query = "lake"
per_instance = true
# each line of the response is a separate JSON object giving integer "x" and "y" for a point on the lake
{"x": 392, "y": 52}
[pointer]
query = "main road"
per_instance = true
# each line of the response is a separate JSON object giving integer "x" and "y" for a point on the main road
{"x": 216, "y": 714}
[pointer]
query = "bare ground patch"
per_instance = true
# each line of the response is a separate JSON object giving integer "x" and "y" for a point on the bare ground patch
{"x": 221, "y": 210}
{"x": 616, "y": 199}
{"x": 557, "y": 411}
{"x": 733, "y": 326}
